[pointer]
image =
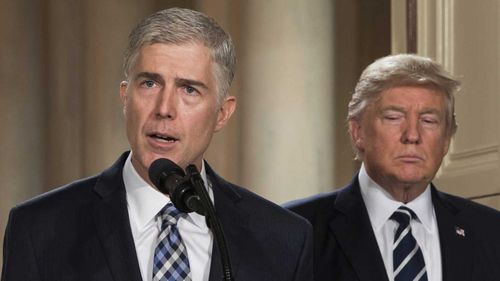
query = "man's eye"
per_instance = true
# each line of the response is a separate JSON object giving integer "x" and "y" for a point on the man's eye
{"x": 190, "y": 90}
{"x": 392, "y": 117}
{"x": 148, "y": 83}
{"x": 430, "y": 121}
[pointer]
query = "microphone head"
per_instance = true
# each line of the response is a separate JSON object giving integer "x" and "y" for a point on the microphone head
{"x": 162, "y": 169}
{"x": 171, "y": 180}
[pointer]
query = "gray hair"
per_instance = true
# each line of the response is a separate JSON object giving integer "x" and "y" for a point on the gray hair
{"x": 404, "y": 70}
{"x": 179, "y": 26}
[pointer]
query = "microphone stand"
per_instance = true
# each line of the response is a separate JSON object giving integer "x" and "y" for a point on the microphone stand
{"x": 212, "y": 220}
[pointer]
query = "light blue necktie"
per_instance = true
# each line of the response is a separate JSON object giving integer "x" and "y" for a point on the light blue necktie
{"x": 170, "y": 262}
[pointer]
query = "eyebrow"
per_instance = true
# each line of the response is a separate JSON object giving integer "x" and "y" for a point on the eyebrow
{"x": 393, "y": 107}
{"x": 149, "y": 75}
{"x": 431, "y": 111}
{"x": 178, "y": 81}
{"x": 427, "y": 110}
{"x": 184, "y": 81}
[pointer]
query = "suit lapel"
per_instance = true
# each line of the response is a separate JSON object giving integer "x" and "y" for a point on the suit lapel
{"x": 234, "y": 223}
{"x": 352, "y": 229}
{"x": 113, "y": 226}
{"x": 455, "y": 239}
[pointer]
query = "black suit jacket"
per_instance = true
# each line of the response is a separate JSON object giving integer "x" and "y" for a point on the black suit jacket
{"x": 345, "y": 247}
{"x": 82, "y": 232}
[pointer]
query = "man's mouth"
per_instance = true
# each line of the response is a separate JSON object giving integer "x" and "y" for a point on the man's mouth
{"x": 411, "y": 158}
{"x": 163, "y": 138}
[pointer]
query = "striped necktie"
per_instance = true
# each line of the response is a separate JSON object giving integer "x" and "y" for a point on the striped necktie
{"x": 170, "y": 261}
{"x": 408, "y": 261}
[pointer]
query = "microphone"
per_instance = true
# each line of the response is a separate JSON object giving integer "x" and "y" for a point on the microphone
{"x": 171, "y": 180}
{"x": 188, "y": 194}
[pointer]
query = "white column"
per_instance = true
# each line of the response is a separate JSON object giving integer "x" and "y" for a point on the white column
{"x": 287, "y": 99}
{"x": 107, "y": 26}
{"x": 223, "y": 153}
{"x": 22, "y": 102}
{"x": 65, "y": 92}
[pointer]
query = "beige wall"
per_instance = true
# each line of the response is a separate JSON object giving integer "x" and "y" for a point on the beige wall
{"x": 463, "y": 36}
{"x": 469, "y": 45}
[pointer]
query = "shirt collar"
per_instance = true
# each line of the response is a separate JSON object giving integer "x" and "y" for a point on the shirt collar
{"x": 144, "y": 201}
{"x": 381, "y": 205}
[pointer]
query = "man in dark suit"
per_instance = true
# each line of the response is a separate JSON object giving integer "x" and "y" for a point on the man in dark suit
{"x": 117, "y": 226}
{"x": 390, "y": 222}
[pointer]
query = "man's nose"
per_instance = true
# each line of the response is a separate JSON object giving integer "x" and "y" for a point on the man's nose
{"x": 411, "y": 132}
{"x": 166, "y": 104}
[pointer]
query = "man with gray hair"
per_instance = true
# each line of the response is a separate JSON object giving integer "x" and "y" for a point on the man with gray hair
{"x": 390, "y": 222}
{"x": 118, "y": 226}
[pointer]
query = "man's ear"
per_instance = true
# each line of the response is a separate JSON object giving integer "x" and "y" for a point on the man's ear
{"x": 123, "y": 95}
{"x": 447, "y": 143}
{"x": 225, "y": 112}
{"x": 355, "y": 133}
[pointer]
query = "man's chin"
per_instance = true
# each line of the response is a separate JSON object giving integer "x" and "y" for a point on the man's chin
{"x": 410, "y": 181}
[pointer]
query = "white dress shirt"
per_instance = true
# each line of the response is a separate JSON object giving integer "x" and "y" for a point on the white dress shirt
{"x": 144, "y": 202}
{"x": 381, "y": 205}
